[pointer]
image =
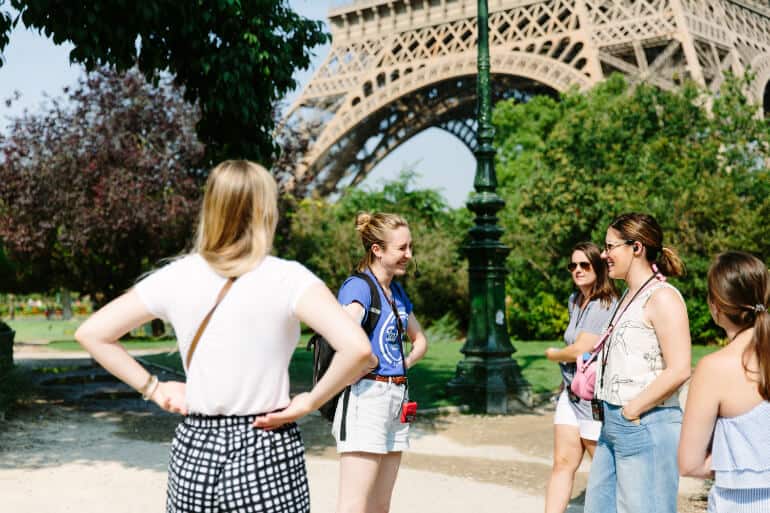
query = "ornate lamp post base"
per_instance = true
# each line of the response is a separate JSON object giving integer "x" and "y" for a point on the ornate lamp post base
{"x": 488, "y": 379}
{"x": 491, "y": 385}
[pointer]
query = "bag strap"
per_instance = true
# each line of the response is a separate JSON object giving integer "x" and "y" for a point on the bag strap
{"x": 205, "y": 322}
{"x": 399, "y": 324}
{"x": 375, "y": 304}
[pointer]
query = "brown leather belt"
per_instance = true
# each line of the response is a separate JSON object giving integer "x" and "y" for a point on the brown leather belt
{"x": 398, "y": 380}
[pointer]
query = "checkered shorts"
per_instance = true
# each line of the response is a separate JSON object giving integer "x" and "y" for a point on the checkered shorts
{"x": 222, "y": 464}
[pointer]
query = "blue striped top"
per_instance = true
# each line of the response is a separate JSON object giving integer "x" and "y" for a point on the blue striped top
{"x": 740, "y": 454}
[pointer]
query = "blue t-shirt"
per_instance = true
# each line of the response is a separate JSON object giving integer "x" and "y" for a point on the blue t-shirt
{"x": 384, "y": 338}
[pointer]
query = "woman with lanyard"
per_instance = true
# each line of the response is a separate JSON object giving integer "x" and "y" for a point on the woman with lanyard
{"x": 643, "y": 362}
{"x": 238, "y": 448}
{"x": 575, "y": 430}
{"x": 372, "y": 423}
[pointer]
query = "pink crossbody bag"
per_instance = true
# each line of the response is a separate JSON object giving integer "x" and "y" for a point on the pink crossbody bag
{"x": 584, "y": 382}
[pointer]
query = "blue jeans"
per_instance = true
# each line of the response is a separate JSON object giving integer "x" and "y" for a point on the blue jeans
{"x": 635, "y": 468}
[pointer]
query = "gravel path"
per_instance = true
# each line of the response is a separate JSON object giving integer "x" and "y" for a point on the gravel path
{"x": 103, "y": 453}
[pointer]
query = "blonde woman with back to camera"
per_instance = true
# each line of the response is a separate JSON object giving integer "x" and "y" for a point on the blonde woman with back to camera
{"x": 238, "y": 448}
{"x": 370, "y": 430}
{"x": 726, "y": 428}
{"x": 644, "y": 361}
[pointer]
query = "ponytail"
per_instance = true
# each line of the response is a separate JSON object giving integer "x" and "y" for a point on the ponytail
{"x": 670, "y": 263}
{"x": 739, "y": 288}
{"x": 761, "y": 344}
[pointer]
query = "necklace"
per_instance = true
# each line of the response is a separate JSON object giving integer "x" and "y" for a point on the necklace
{"x": 739, "y": 332}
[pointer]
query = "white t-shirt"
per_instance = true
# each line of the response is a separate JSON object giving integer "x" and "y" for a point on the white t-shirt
{"x": 241, "y": 364}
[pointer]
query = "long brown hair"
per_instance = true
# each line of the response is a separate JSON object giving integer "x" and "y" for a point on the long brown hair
{"x": 644, "y": 228}
{"x": 603, "y": 288}
{"x": 738, "y": 288}
{"x": 238, "y": 217}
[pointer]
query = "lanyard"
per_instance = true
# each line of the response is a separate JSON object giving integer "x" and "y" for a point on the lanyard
{"x": 399, "y": 325}
{"x": 608, "y": 335}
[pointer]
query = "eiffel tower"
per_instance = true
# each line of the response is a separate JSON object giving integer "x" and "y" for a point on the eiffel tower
{"x": 398, "y": 67}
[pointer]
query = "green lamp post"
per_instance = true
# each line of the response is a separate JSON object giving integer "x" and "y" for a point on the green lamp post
{"x": 487, "y": 378}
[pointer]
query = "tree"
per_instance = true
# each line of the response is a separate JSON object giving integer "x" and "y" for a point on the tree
{"x": 98, "y": 188}
{"x": 234, "y": 58}
{"x": 567, "y": 168}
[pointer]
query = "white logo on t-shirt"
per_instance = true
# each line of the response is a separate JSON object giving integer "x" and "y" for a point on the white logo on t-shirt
{"x": 388, "y": 340}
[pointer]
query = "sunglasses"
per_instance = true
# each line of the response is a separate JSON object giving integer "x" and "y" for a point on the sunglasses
{"x": 586, "y": 266}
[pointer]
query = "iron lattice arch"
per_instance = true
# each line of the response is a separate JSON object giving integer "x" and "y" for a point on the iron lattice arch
{"x": 397, "y": 67}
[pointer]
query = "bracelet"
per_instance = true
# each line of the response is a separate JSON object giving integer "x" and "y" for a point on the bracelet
{"x": 147, "y": 383}
{"x": 150, "y": 387}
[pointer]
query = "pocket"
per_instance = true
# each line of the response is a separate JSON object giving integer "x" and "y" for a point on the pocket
{"x": 369, "y": 388}
{"x": 632, "y": 439}
{"x": 662, "y": 415}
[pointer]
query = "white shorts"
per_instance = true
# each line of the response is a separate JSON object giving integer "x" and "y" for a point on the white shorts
{"x": 578, "y": 415}
{"x": 373, "y": 419}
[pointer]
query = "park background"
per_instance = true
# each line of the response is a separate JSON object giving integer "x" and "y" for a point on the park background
{"x": 102, "y": 181}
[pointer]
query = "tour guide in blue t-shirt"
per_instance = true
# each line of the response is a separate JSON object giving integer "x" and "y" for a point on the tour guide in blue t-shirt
{"x": 384, "y": 338}
{"x": 369, "y": 432}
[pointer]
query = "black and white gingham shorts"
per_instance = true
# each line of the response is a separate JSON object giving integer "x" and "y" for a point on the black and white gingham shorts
{"x": 222, "y": 464}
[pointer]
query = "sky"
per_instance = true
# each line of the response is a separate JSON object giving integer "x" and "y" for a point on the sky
{"x": 35, "y": 67}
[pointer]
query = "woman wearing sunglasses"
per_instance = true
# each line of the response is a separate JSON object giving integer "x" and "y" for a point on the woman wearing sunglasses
{"x": 575, "y": 431}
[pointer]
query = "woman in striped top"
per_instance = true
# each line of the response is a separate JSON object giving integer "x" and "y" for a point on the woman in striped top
{"x": 725, "y": 432}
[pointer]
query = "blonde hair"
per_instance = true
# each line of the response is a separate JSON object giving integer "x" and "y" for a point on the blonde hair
{"x": 238, "y": 217}
{"x": 373, "y": 229}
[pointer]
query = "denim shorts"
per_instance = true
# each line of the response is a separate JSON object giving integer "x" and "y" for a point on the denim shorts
{"x": 634, "y": 469}
{"x": 373, "y": 419}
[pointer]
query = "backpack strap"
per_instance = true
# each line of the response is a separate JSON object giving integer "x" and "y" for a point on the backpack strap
{"x": 372, "y": 317}
{"x": 205, "y": 322}
{"x": 375, "y": 305}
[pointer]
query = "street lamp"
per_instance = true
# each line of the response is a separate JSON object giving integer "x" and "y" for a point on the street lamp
{"x": 487, "y": 378}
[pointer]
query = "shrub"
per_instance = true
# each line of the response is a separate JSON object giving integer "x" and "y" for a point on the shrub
{"x": 444, "y": 329}
{"x": 567, "y": 168}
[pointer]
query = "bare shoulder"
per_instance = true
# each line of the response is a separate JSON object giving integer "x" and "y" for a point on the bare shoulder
{"x": 665, "y": 305}
{"x": 724, "y": 364}
{"x": 665, "y": 297}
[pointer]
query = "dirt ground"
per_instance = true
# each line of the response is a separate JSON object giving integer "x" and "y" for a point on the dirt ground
{"x": 110, "y": 454}
{"x": 56, "y": 458}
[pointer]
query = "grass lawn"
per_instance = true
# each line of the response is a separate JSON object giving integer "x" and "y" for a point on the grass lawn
{"x": 39, "y": 329}
{"x": 428, "y": 378}
{"x": 58, "y": 335}
{"x": 70, "y": 345}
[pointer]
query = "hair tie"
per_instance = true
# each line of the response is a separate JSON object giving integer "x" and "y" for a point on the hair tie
{"x": 657, "y": 272}
{"x": 759, "y": 308}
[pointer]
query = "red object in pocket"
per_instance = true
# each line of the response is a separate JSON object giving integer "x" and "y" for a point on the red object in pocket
{"x": 408, "y": 411}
